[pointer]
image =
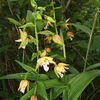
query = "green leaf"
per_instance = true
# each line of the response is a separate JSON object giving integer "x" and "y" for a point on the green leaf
{"x": 29, "y": 17}
{"x": 57, "y": 56}
{"x": 34, "y": 55}
{"x": 4, "y": 48}
{"x": 41, "y": 90}
{"x": 14, "y": 22}
{"x": 27, "y": 95}
{"x": 21, "y": 76}
{"x": 52, "y": 83}
{"x": 3, "y": 93}
{"x": 32, "y": 39}
{"x": 27, "y": 25}
{"x": 80, "y": 82}
{"x": 82, "y": 27}
{"x": 93, "y": 66}
{"x": 52, "y": 74}
{"x": 26, "y": 67}
{"x": 58, "y": 90}
{"x": 95, "y": 42}
{"x": 65, "y": 95}
{"x": 96, "y": 2}
{"x": 30, "y": 76}
{"x": 46, "y": 32}
{"x": 73, "y": 70}
{"x": 42, "y": 77}
{"x": 20, "y": 2}
{"x": 40, "y": 24}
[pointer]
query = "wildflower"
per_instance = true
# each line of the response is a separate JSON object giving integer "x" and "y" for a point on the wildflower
{"x": 65, "y": 25}
{"x": 44, "y": 61}
{"x": 70, "y": 35}
{"x": 33, "y": 97}
{"x": 47, "y": 24}
{"x": 45, "y": 52}
{"x": 57, "y": 39}
{"x": 24, "y": 40}
{"x": 60, "y": 69}
{"x": 48, "y": 38}
{"x": 23, "y": 85}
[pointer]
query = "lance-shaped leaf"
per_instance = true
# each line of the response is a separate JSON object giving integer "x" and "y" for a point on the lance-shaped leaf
{"x": 27, "y": 25}
{"x": 14, "y": 22}
{"x": 82, "y": 27}
{"x": 26, "y": 67}
{"x": 46, "y": 32}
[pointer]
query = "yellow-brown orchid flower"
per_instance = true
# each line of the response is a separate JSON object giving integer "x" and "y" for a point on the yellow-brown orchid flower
{"x": 44, "y": 61}
{"x": 60, "y": 69}
{"x": 45, "y": 52}
{"x": 65, "y": 25}
{"x": 24, "y": 40}
{"x": 33, "y": 97}
{"x": 23, "y": 85}
{"x": 70, "y": 35}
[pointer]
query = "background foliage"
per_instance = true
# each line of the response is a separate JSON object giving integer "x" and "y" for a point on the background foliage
{"x": 14, "y": 14}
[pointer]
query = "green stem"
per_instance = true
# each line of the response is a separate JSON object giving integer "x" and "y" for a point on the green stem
{"x": 54, "y": 18}
{"x": 64, "y": 51}
{"x": 23, "y": 56}
{"x": 35, "y": 88}
{"x": 36, "y": 36}
{"x": 90, "y": 40}
{"x": 26, "y": 75}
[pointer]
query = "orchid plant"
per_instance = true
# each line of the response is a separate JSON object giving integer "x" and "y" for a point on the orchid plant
{"x": 54, "y": 77}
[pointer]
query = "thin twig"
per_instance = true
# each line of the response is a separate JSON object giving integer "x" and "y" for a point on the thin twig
{"x": 59, "y": 1}
{"x": 66, "y": 7}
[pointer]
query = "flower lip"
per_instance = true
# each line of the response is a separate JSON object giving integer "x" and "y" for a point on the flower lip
{"x": 44, "y": 61}
{"x": 60, "y": 69}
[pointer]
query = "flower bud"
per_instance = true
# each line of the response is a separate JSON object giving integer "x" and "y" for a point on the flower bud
{"x": 33, "y": 97}
{"x": 70, "y": 34}
{"x": 57, "y": 39}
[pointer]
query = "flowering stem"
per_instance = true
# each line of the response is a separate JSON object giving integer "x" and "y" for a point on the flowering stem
{"x": 36, "y": 36}
{"x": 26, "y": 75}
{"x": 23, "y": 56}
{"x": 35, "y": 88}
{"x": 64, "y": 51}
{"x": 90, "y": 40}
{"x": 54, "y": 17}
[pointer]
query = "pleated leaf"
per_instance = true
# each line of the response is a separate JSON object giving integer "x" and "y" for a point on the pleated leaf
{"x": 80, "y": 82}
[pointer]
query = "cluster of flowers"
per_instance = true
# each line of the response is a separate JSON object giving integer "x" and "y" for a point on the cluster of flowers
{"x": 44, "y": 60}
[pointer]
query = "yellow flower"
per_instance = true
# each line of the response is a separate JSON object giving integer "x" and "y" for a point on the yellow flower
{"x": 44, "y": 61}
{"x": 24, "y": 40}
{"x": 33, "y": 97}
{"x": 70, "y": 35}
{"x": 65, "y": 25}
{"x": 60, "y": 69}
{"x": 45, "y": 52}
{"x": 57, "y": 39}
{"x": 23, "y": 85}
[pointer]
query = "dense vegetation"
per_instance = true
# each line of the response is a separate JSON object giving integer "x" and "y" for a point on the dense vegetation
{"x": 52, "y": 46}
